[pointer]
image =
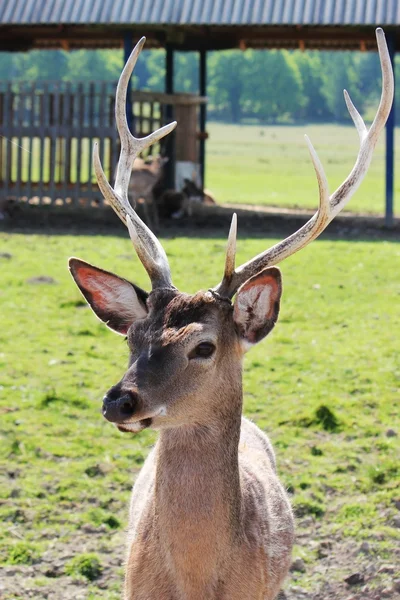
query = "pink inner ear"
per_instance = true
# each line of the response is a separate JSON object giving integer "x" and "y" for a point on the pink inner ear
{"x": 97, "y": 285}
{"x": 265, "y": 284}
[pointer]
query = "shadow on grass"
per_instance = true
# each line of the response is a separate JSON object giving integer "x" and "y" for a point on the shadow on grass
{"x": 207, "y": 222}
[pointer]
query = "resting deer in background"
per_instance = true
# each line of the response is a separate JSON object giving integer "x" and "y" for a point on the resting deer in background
{"x": 145, "y": 177}
{"x": 209, "y": 517}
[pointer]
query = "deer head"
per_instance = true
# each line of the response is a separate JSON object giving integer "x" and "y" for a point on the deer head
{"x": 186, "y": 350}
{"x": 182, "y": 347}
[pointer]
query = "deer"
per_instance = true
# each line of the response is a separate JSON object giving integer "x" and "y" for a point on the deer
{"x": 145, "y": 177}
{"x": 197, "y": 194}
{"x": 209, "y": 517}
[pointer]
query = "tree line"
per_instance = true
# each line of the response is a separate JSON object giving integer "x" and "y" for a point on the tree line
{"x": 264, "y": 86}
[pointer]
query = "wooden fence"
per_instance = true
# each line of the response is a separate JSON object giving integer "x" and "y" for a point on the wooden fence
{"x": 47, "y": 132}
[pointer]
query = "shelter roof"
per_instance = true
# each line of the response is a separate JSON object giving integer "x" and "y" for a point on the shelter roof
{"x": 195, "y": 24}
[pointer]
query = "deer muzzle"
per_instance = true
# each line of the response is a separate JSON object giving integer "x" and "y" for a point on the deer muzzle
{"x": 119, "y": 405}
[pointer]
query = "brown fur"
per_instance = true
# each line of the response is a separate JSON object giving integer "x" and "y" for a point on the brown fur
{"x": 209, "y": 519}
{"x": 146, "y": 175}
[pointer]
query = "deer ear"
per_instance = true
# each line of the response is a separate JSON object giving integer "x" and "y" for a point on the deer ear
{"x": 116, "y": 301}
{"x": 256, "y": 306}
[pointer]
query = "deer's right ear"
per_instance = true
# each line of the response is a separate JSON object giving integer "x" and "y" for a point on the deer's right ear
{"x": 116, "y": 301}
{"x": 256, "y": 307}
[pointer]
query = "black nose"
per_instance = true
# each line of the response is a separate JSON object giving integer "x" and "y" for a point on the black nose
{"x": 118, "y": 406}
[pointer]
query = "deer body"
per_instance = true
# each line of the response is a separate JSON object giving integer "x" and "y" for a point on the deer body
{"x": 209, "y": 518}
{"x": 145, "y": 176}
{"x": 199, "y": 495}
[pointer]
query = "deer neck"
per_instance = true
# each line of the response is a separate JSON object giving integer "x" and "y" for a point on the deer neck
{"x": 198, "y": 498}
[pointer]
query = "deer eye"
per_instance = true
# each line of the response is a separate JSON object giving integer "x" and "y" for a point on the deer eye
{"x": 203, "y": 350}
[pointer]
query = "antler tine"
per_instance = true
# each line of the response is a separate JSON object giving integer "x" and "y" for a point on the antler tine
{"x": 355, "y": 115}
{"x": 329, "y": 206}
{"x": 147, "y": 246}
{"x": 230, "y": 257}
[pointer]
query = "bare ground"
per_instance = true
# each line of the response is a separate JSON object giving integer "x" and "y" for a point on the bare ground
{"x": 344, "y": 569}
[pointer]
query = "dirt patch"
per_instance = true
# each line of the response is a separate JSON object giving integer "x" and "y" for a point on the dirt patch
{"x": 343, "y": 570}
{"x": 47, "y": 576}
{"x": 41, "y": 279}
{"x": 253, "y": 221}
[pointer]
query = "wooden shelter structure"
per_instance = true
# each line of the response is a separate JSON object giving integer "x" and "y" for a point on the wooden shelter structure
{"x": 204, "y": 25}
{"x": 47, "y": 131}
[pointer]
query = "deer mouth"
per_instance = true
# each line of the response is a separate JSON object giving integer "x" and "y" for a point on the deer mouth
{"x": 136, "y": 426}
{"x": 140, "y": 424}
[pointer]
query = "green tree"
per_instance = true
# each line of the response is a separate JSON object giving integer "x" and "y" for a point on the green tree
{"x": 227, "y": 83}
{"x": 49, "y": 65}
{"x": 339, "y": 73}
{"x": 272, "y": 85}
{"x": 7, "y": 66}
{"x": 369, "y": 75}
{"x": 258, "y": 84}
{"x": 156, "y": 68}
{"x": 93, "y": 65}
{"x": 311, "y": 74}
{"x": 186, "y": 72}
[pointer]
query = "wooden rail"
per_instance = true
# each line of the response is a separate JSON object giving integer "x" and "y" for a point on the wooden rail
{"x": 47, "y": 132}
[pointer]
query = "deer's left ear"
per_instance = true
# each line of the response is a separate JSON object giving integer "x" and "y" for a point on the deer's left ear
{"x": 116, "y": 301}
{"x": 256, "y": 307}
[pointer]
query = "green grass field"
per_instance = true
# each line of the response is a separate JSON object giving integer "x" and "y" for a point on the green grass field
{"x": 270, "y": 165}
{"x": 325, "y": 386}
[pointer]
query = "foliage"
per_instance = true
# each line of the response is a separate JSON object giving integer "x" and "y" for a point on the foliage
{"x": 226, "y": 83}
{"x": 86, "y": 565}
{"x": 22, "y": 553}
{"x": 326, "y": 418}
{"x": 342, "y": 75}
{"x": 276, "y": 79}
{"x": 261, "y": 85}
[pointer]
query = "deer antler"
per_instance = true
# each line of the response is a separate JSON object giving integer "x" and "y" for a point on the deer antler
{"x": 329, "y": 206}
{"x": 147, "y": 246}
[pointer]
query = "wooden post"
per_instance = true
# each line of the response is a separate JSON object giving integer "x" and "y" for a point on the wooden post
{"x": 169, "y": 114}
{"x": 68, "y": 124}
{"x": 91, "y": 125}
{"x": 19, "y": 121}
{"x": 203, "y": 114}
{"x": 80, "y": 119}
{"x": 44, "y": 115}
{"x": 390, "y": 128}
{"x": 53, "y": 140}
{"x": 31, "y": 123}
{"x": 7, "y": 121}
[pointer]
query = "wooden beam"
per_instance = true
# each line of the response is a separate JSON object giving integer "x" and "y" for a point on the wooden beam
{"x": 169, "y": 113}
{"x": 203, "y": 114}
{"x": 390, "y": 130}
{"x": 192, "y": 37}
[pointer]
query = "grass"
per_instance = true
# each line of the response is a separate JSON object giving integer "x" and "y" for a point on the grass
{"x": 270, "y": 165}
{"x": 325, "y": 386}
{"x": 85, "y": 565}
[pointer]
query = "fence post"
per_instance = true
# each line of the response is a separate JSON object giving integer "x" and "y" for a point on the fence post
{"x": 203, "y": 114}
{"x": 390, "y": 130}
{"x": 170, "y": 141}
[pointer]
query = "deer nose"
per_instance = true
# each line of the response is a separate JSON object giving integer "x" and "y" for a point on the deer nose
{"x": 118, "y": 408}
